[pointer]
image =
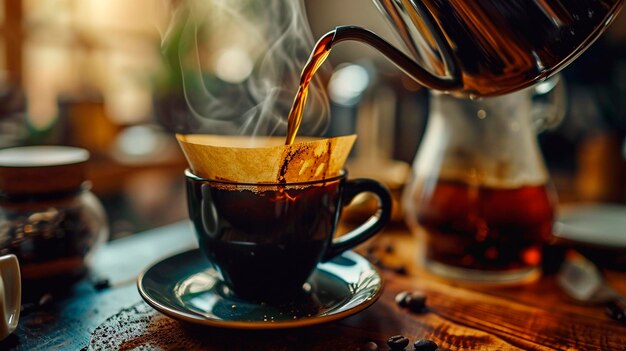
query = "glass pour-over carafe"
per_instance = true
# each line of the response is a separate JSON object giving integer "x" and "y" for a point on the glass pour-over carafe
{"x": 479, "y": 198}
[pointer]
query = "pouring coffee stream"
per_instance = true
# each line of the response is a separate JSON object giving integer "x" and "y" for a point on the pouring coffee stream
{"x": 344, "y": 33}
{"x": 473, "y": 48}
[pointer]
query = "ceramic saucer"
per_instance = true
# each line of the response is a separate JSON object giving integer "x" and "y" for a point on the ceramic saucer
{"x": 185, "y": 287}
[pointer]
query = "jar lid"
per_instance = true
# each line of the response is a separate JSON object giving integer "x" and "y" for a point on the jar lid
{"x": 42, "y": 169}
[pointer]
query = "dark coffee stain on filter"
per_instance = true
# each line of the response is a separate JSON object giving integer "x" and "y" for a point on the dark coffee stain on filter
{"x": 306, "y": 162}
{"x": 284, "y": 168}
{"x": 326, "y": 161}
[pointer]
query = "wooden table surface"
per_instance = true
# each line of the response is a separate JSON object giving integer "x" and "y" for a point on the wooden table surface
{"x": 536, "y": 316}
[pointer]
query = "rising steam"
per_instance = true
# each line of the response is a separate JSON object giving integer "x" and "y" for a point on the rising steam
{"x": 233, "y": 67}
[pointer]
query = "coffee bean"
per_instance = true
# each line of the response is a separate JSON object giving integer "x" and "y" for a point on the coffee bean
{"x": 425, "y": 345}
{"x": 616, "y": 309}
{"x": 398, "y": 342}
{"x": 415, "y": 301}
{"x": 401, "y": 298}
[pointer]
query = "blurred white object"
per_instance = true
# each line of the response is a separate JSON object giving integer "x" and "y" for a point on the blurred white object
{"x": 347, "y": 84}
{"x": 593, "y": 224}
{"x": 10, "y": 294}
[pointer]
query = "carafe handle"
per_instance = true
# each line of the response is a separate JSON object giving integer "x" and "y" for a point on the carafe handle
{"x": 10, "y": 294}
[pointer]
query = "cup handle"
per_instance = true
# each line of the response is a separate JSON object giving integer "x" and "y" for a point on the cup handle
{"x": 10, "y": 294}
{"x": 372, "y": 225}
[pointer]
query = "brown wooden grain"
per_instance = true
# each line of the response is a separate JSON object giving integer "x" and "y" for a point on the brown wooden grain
{"x": 460, "y": 318}
{"x": 535, "y": 316}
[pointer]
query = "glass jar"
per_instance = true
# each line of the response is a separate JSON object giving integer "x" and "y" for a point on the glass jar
{"x": 480, "y": 198}
{"x": 48, "y": 216}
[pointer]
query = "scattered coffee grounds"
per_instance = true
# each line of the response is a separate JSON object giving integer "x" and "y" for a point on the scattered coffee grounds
{"x": 415, "y": 301}
{"x": 140, "y": 327}
{"x": 370, "y": 346}
{"x": 398, "y": 342}
{"x": 425, "y": 345}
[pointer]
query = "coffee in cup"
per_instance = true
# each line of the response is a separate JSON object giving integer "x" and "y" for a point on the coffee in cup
{"x": 265, "y": 240}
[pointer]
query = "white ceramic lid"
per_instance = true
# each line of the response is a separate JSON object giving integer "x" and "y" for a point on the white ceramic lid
{"x": 42, "y": 169}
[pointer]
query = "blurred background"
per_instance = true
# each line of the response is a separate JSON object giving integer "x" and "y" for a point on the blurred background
{"x": 89, "y": 73}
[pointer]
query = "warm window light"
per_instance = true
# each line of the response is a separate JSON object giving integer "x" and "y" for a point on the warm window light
{"x": 137, "y": 141}
{"x": 127, "y": 104}
{"x": 347, "y": 83}
{"x": 233, "y": 65}
{"x": 43, "y": 111}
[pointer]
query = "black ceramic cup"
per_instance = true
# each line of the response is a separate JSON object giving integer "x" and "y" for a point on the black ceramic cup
{"x": 265, "y": 240}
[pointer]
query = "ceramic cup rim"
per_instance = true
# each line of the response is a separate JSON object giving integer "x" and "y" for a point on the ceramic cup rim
{"x": 191, "y": 176}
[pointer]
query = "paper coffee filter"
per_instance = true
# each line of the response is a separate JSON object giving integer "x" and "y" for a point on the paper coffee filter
{"x": 245, "y": 159}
